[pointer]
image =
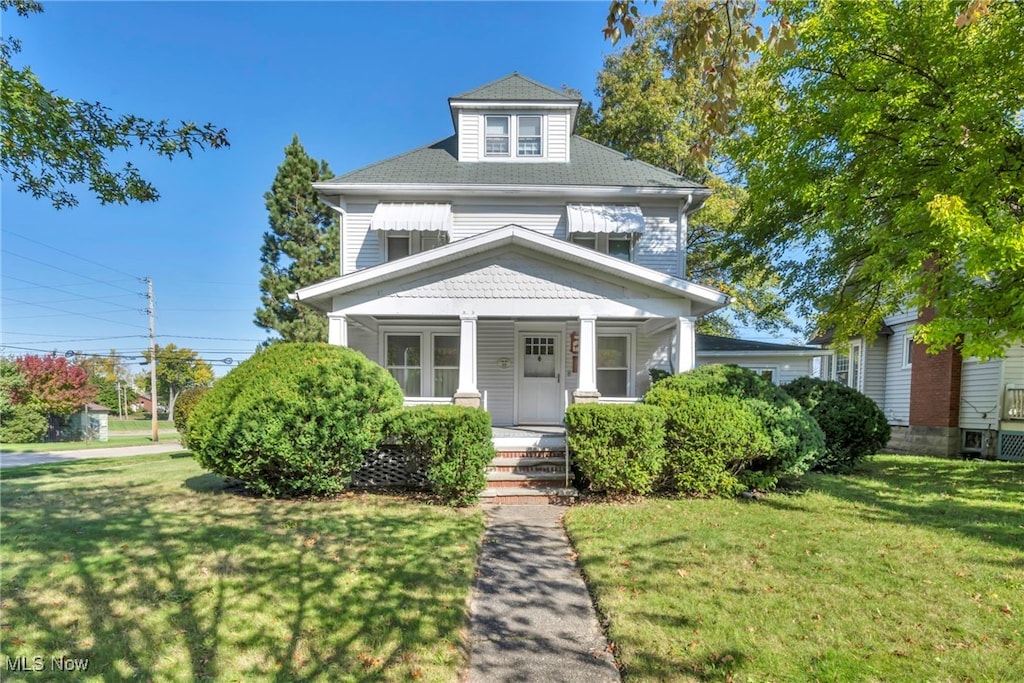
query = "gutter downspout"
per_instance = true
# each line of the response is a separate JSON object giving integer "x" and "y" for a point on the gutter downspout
{"x": 682, "y": 230}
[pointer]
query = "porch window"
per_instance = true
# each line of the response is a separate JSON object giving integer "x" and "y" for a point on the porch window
{"x": 613, "y": 365}
{"x": 497, "y": 136}
{"x": 446, "y": 364}
{"x": 403, "y": 361}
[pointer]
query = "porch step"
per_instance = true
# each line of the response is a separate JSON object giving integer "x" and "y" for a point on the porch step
{"x": 529, "y": 496}
{"x": 525, "y": 479}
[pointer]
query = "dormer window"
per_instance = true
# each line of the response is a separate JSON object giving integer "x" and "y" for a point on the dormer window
{"x": 529, "y": 137}
{"x": 497, "y": 136}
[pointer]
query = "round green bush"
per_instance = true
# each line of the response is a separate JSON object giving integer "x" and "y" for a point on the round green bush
{"x": 711, "y": 441}
{"x": 796, "y": 440}
{"x": 294, "y": 419}
{"x": 183, "y": 407}
{"x": 22, "y": 424}
{"x": 618, "y": 448}
{"x": 853, "y": 424}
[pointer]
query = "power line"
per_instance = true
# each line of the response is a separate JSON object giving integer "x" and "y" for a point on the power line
{"x": 77, "y": 256}
{"x": 62, "y": 310}
{"x": 69, "y": 272}
{"x": 185, "y": 336}
{"x": 68, "y": 291}
{"x": 70, "y": 284}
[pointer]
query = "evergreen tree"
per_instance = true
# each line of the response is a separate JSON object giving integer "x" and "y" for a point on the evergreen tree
{"x": 301, "y": 248}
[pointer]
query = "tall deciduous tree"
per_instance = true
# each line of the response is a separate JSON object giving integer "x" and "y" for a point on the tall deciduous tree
{"x": 889, "y": 146}
{"x": 51, "y": 142}
{"x": 110, "y": 376}
{"x": 177, "y": 369}
{"x": 301, "y": 248}
{"x": 651, "y": 106}
{"x": 52, "y": 384}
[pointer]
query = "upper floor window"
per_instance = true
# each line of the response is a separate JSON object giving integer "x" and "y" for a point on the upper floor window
{"x": 497, "y": 132}
{"x": 619, "y": 245}
{"x": 529, "y": 137}
{"x": 401, "y": 244}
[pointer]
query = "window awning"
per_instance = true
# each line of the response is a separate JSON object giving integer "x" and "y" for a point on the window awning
{"x": 412, "y": 216}
{"x": 605, "y": 218}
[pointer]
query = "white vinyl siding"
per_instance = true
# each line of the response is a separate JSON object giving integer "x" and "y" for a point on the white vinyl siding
{"x": 558, "y": 136}
{"x": 473, "y": 218}
{"x": 786, "y": 368}
{"x": 896, "y": 400}
{"x": 980, "y": 391}
{"x": 656, "y": 248}
{"x": 361, "y": 339}
{"x": 495, "y": 340}
{"x": 469, "y": 136}
{"x": 873, "y": 370}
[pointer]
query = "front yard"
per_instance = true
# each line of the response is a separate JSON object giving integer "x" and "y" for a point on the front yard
{"x": 912, "y": 569}
{"x": 151, "y": 570}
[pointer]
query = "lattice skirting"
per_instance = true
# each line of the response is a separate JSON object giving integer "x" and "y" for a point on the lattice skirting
{"x": 390, "y": 467}
{"x": 1011, "y": 446}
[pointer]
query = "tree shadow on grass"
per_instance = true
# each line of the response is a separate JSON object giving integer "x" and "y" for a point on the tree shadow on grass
{"x": 198, "y": 583}
{"x": 982, "y": 500}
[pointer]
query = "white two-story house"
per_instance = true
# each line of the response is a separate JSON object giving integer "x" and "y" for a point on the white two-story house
{"x": 514, "y": 265}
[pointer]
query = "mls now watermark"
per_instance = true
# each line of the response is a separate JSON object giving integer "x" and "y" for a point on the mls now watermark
{"x": 60, "y": 663}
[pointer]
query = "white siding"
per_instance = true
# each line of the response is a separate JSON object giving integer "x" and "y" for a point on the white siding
{"x": 558, "y": 137}
{"x": 363, "y": 340}
{"x": 469, "y": 136}
{"x": 496, "y": 339}
{"x": 656, "y": 248}
{"x": 472, "y": 218}
{"x": 874, "y": 366}
{"x": 362, "y": 245}
{"x": 786, "y": 368}
{"x": 652, "y": 351}
{"x": 980, "y": 393}
{"x": 896, "y": 399}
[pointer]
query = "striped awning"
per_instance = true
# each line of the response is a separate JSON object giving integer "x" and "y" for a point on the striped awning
{"x": 605, "y": 218}
{"x": 412, "y": 216}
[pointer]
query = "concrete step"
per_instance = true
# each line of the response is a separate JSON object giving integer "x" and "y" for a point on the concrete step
{"x": 529, "y": 496}
{"x": 533, "y": 479}
{"x": 552, "y": 468}
{"x": 529, "y": 443}
{"x": 526, "y": 461}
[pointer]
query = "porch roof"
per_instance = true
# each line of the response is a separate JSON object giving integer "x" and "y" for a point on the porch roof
{"x": 512, "y": 249}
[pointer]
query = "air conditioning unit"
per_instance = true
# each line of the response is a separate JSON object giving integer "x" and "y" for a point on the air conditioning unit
{"x": 973, "y": 441}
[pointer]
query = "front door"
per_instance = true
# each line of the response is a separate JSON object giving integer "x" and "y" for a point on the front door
{"x": 540, "y": 378}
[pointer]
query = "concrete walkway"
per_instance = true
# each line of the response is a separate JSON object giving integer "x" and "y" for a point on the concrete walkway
{"x": 8, "y": 460}
{"x": 531, "y": 618}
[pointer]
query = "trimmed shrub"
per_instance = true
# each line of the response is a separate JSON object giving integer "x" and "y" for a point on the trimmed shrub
{"x": 453, "y": 443}
{"x": 22, "y": 424}
{"x": 183, "y": 407}
{"x": 294, "y": 419}
{"x": 853, "y": 424}
{"x": 618, "y": 448}
{"x": 796, "y": 440}
{"x": 711, "y": 441}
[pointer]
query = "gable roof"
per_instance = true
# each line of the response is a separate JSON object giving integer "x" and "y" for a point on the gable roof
{"x": 515, "y": 88}
{"x": 713, "y": 343}
{"x": 592, "y": 165}
{"x": 320, "y": 295}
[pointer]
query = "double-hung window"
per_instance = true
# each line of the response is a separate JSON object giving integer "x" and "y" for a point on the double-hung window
{"x": 497, "y": 136}
{"x": 613, "y": 364}
{"x": 423, "y": 363}
{"x": 529, "y": 137}
{"x": 402, "y": 244}
{"x": 619, "y": 245}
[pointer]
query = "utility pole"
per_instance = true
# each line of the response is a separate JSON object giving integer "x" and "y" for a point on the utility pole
{"x": 152, "y": 361}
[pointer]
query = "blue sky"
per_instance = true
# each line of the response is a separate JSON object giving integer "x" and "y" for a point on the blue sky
{"x": 358, "y": 82}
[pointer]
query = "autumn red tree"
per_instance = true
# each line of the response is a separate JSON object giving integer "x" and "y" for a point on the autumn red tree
{"x": 53, "y": 385}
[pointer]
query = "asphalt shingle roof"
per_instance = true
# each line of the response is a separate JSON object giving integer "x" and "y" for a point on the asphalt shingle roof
{"x": 591, "y": 164}
{"x": 516, "y": 88}
{"x": 709, "y": 342}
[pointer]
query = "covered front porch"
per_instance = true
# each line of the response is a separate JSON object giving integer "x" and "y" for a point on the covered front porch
{"x": 515, "y": 322}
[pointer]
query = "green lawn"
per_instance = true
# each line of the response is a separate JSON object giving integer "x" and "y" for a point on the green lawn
{"x": 152, "y": 570}
{"x": 910, "y": 570}
{"x": 80, "y": 445}
{"x": 118, "y": 425}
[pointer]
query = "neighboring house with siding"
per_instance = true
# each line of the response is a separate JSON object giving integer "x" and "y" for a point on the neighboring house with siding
{"x": 940, "y": 404}
{"x": 518, "y": 267}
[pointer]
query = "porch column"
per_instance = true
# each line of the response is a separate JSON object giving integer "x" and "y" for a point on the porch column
{"x": 337, "y": 329}
{"x": 467, "y": 394}
{"x": 686, "y": 343}
{"x": 587, "y": 390}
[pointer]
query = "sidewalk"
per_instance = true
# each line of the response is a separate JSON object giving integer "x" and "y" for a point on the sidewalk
{"x": 531, "y": 618}
{"x": 8, "y": 460}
